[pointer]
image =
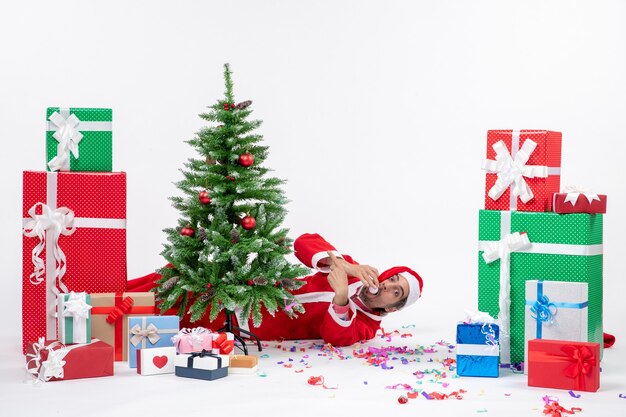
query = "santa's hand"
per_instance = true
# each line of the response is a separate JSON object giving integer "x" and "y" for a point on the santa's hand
{"x": 368, "y": 275}
{"x": 338, "y": 280}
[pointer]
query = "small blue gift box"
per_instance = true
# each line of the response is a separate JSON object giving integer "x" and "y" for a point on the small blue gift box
{"x": 477, "y": 349}
{"x": 146, "y": 332}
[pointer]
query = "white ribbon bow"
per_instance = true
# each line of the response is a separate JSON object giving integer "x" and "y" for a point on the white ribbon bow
{"x": 76, "y": 306}
{"x": 512, "y": 171}
{"x": 197, "y": 335}
{"x": 502, "y": 250}
{"x": 573, "y": 192}
{"x": 510, "y": 243}
{"x": 151, "y": 333}
{"x": 51, "y": 224}
{"x": 479, "y": 317}
{"x": 68, "y": 136}
{"x": 52, "y": 367}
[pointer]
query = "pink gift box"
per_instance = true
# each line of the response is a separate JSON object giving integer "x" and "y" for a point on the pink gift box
{"x": 193, "y": 340}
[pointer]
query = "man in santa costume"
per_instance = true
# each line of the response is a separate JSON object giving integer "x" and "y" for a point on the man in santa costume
{"x": 344, "y": 301}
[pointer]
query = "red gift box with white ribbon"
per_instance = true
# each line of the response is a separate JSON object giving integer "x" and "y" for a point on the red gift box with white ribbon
{"x": 523, "y": 169}
{"x": 74, "y": 226}
{"x": 579, "y": 200}
{"x": 50, "y": 360}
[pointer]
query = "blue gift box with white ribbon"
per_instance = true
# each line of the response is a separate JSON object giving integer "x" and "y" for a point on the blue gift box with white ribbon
{"x": 478, "y": 349}
{"x": 147, "y": 332}
{"x": 556, "y": 310}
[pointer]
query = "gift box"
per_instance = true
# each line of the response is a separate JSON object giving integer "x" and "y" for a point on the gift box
{"x": 523, "y": 169}
{"x": 150, "y": 332}
{"x": 243, "y": 364}
{"x": 193, "y": 340}
{"x": 477, "y": 349}
{"x": 74, "y": 229}
{"x": 49, "y": 360}
{"x": 576, "y": 200}
{"x": 74, "y": 321}
{"x": 202, "y": 365}
{"x": 564, "y": 365}
{"x": 156, "y": 361}
{"x": 556, "y": 310}
{"x": 561, "y": 247}
{"x": 109, "y": 317}
{"x": 79, "y": 139}
{"x": 223, "y": 343}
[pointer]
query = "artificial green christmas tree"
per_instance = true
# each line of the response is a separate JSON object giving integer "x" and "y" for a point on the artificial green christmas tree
{"x": 229, "y": 250}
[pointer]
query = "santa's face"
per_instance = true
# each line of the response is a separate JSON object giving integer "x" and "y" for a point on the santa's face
{"x": 390, "y": 291}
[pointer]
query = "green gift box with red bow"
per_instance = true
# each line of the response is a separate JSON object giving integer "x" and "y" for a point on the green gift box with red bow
{"x": 564, "y": 364}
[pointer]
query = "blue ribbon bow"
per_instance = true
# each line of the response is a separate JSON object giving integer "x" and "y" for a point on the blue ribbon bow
{"x": 543, "y": 310}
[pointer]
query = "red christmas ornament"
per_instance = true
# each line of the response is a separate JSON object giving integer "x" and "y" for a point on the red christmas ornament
{"x": 248, "y": 222}
{"x": 187, "y": 231}
{"x": 250, "y": 282}
{"x": 229, "y": 106}
{"x": 208, "y": 285}
{"x": 204, "y": 197}
{"x": 246, "y": 159}
{"x": 230, "y": 177}
{"x": 402, "y": 399}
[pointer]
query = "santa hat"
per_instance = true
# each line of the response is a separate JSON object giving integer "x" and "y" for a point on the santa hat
{"x": 412, "y": 277}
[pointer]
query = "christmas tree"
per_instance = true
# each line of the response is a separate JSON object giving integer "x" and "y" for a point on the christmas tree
{"x": 229, "y": 248}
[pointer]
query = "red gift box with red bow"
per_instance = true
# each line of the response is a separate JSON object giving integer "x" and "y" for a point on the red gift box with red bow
{"x": 223, "y": 343}
{"x": 564, "y": 364}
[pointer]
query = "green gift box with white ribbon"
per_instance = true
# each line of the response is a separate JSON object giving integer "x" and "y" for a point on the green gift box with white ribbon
{"x": 515, "y": 247}
{"x": 74, "y": 317}
{"x": 79, "y": 139}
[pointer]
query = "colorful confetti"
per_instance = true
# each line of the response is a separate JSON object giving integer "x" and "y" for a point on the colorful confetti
{"x": 573, "y": 394}
{"x": 622, "y": 396}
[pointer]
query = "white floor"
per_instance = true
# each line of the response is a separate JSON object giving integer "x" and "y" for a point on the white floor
{"x": 280, "y": 388}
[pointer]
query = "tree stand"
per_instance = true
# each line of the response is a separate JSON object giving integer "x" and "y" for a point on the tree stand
{"x": 236, "y": 331}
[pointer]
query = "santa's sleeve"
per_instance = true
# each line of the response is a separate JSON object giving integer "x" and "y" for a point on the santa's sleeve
{"x": 310, "y": 248}
{"x": 339, "y": 330}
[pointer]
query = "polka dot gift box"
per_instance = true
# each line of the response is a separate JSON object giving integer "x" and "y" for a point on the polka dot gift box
{"x": 523, "y": 169}
{"x": 74, "y": 239}
{"x": 515, "y": 247}
{"x": 79, "y": 139}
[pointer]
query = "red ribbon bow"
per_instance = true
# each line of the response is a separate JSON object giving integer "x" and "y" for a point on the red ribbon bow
{"x": 582, "y": 362}
{"x": 118, "y": 311}
{"x": 555, "y": 410}
{"x": 225, "y": 345}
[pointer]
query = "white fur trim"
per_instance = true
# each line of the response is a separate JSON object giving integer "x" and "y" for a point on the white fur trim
{"x": 343, "y": 322}
{"x": 414, "y": 288}
{"x": 321, "y": 255}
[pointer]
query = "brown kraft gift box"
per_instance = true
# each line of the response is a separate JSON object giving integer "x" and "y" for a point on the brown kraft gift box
{"x": 109, "y": 317}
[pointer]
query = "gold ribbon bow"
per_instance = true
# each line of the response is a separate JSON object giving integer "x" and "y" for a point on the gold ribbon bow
{"x": 150, "y": 332}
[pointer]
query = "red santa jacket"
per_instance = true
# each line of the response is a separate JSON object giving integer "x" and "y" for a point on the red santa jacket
{"x": 319, "y": 320}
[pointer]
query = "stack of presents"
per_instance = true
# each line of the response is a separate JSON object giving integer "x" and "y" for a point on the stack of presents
{"x": 77, "y": 318}
{"x": 539, "y": 269}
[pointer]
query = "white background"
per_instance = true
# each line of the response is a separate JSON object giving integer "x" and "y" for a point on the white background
{"x": 375, "y": 112}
